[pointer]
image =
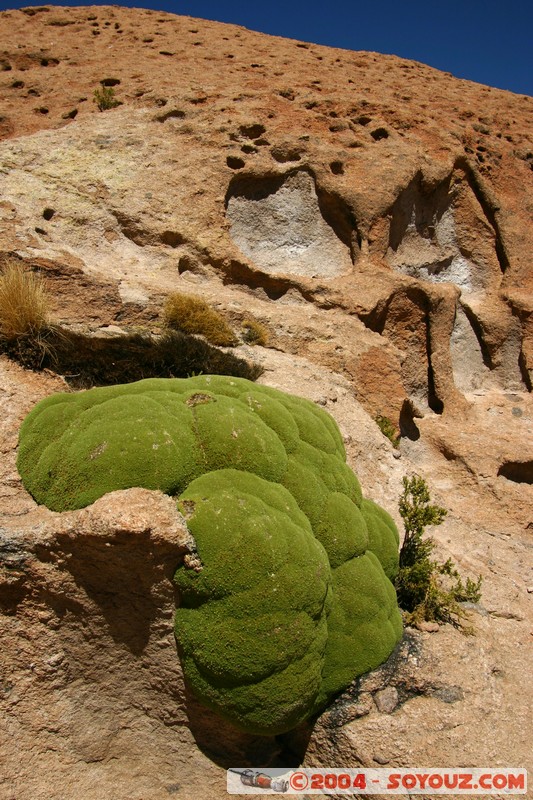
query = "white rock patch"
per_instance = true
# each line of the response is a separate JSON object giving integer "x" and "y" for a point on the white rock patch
{"x": 435, "y": 257}
{"x": 284, "y": 232}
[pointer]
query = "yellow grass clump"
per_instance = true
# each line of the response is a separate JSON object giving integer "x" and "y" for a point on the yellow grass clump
{"x": 253, "y": 332}
{"x": 23, "y": 302}
{"x": 191, "y": 314}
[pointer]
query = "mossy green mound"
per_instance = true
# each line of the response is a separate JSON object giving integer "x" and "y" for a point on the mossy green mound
{"x": 293, "y": 599}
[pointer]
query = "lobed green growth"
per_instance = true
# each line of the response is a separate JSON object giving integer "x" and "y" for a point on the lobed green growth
{"x": 293, "y": 598}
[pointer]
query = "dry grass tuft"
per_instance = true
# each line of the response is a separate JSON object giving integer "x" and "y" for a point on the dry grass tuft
{"x": 191, "y": 314}
{"x": 23, "y": 303}
{"x": 253, "y": 332}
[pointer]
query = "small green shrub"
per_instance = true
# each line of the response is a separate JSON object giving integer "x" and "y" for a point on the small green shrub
{"x": 191, "y": 314}
{"x": 105, "y": 98}
{"x": 428, "y": 590}
{"x": 388, "y": 429}
{"x": 24, "y": 304}
{"x": 254, "y": 333}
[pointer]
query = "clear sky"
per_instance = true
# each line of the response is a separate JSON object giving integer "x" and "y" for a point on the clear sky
{"x": 487, "y": 41}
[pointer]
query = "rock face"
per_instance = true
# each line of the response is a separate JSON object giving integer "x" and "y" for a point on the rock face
{"x": 375, "y": 215}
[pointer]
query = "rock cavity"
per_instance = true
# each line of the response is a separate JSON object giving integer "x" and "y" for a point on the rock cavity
{"x": 277, "y": 223}
{"x": 444, "y": 235}
{"x": 470, "y": 373}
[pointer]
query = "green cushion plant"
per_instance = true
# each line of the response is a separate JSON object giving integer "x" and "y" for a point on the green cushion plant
{"x": 293, "y": 598}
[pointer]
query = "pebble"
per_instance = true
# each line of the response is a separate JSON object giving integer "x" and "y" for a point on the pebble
{"x": 428, "y": 627}
{"x": 386, "y": 700}
{"x": 56, "y": 660}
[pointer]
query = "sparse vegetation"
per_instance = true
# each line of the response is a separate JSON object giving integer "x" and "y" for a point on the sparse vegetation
{"x": 105, "y": 98}
{"x": 253, "y": 332}
{"x": 191, "y": 314}
{"x": 428, "y": 590}
{"x": 24, "y": 305}
{"x": 28, "y": 337}
{"x": 388, "y": 429}
{"x": 88, "y": 361}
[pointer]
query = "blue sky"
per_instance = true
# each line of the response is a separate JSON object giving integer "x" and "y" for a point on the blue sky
{"x": 482, "y": 40}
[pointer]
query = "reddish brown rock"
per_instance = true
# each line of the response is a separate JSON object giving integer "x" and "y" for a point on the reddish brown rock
{"x": 375, "y": 215}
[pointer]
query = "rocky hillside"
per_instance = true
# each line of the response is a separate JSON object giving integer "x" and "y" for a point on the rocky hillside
{"x": 374, "y": 215}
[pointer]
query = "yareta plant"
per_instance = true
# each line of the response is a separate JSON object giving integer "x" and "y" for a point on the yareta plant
{"x": 291, "y": 595}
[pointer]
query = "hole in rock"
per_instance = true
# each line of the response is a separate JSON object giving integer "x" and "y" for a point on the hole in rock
{"x": 175, "y": 113}
{"x": 379, "y": 133}
{"x": 110, "y": 82}
{"x": 252, "y": 131}
{"x": 408, "y": 426}
{"x": 48, "y": 213}
{"x": 284, "y": 153}
{"x": 524, "y": 371}
{"x": 240, "y": 274}
{"x": 234, "y": 162}
{"x": 283, "y": 225}
{"x": 188, "y": 264}
{"x": 337, "y": 167}
{"x": 432, "y": 233}
{"x": 517, "y": 471}
{"x": 172, "y": 238}
{"x": 434, "y": 401}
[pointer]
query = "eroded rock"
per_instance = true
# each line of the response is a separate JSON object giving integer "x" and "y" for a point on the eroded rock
{"x": 400, "y": 286}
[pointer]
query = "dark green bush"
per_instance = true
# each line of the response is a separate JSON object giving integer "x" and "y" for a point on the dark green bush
{"x": 428, "y": 590}
{"x": 105, "y": 98}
